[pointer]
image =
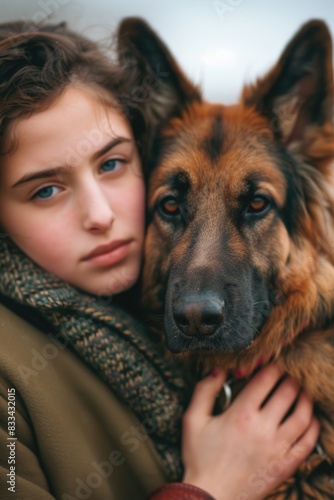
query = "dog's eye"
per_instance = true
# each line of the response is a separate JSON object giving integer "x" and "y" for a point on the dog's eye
{"x": 258, "y": 205}
{"x": 169, "y": 206}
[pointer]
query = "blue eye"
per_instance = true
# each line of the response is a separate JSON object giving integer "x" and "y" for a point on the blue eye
{"x": 111, "y": 165}
{"x": 45, "y": 193}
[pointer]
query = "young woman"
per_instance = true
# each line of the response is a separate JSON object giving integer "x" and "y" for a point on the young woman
{"x": 89, "y": 407}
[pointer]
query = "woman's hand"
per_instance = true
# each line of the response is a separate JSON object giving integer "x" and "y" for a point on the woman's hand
{"x": 247, "y": 451}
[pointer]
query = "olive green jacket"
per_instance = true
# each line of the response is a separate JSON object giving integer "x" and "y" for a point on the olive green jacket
{"x": 67, "y": 437}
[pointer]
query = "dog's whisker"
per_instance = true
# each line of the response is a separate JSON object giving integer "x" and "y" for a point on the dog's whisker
{"x": 151, "y": 320}
{"x": 247, "y": 324}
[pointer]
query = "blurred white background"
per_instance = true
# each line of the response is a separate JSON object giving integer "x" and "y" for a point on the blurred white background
{"x": 220, "y": 44}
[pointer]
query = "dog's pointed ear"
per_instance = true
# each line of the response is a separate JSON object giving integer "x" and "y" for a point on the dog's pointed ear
{"x": 160, "y": 89}
{"x": 297, "y": 94}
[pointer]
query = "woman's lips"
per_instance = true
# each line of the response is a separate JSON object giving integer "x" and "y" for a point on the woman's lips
{"x": 112, "y": 254}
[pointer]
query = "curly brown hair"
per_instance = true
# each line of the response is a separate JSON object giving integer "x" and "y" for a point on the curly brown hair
{"x": 37, "y": 65}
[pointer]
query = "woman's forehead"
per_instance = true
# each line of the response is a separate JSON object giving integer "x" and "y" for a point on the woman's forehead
{"x": 77, "y": 116}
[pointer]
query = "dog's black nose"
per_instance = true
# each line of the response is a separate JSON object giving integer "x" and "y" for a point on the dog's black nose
{"x": 198, "y": 314}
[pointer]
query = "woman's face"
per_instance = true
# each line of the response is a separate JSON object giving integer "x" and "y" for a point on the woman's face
{"x": 73, "y": 188}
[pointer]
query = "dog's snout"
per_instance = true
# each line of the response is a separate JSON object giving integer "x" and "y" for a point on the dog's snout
{"x": 198, "y": 315}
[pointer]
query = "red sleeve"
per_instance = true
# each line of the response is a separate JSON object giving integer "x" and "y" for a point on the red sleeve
{"x": 178, "y": 491}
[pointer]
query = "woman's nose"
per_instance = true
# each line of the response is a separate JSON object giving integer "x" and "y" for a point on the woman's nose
{"x": 98, "y": 214}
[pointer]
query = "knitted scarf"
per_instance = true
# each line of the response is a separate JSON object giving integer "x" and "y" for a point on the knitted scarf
{"x": 110, "y": 341}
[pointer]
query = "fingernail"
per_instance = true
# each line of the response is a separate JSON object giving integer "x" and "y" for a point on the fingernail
{"x": 239, "y": 373}
{"x": 214, "y": 373}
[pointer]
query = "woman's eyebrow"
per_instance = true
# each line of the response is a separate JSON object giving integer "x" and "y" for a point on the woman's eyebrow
{"x": 61, "y": 170}
{"x": 41, "y": 174}
{"x": 110, "y": 145}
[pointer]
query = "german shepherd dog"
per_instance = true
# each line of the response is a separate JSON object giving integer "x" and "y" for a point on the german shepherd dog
{"x": 240, "y": 245}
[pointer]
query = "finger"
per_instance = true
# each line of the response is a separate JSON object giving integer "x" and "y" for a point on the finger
{"x": 205, "y": 393}
{"x": 302, "y": 448}
{"x": 299, "y": 420}
{"x": 260, "y": 386}
{"x": 281, "y": 400}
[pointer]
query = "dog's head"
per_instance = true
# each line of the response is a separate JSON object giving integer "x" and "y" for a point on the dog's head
{"x": 240, "y": 222}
